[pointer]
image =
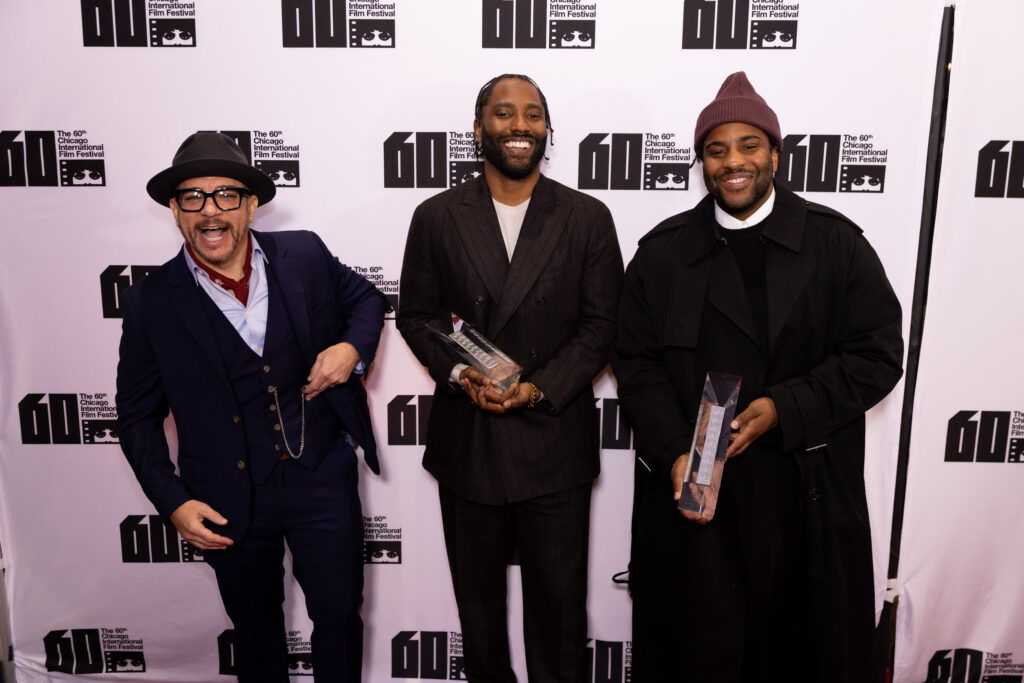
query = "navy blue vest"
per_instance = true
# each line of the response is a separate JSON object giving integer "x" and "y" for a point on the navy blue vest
{"x": 254, "y": 380}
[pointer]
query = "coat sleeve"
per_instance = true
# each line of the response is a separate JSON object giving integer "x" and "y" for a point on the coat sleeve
{"x": 647, "y": 395}
{"x": 141, "y": 410}
{"x": 865, "y": 361}
{"x": 420, "y": 296}
{"x": 582, "y": 356}
{"x": 363, "y": 304}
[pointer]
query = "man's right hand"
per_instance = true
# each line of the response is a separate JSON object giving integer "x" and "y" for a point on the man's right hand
{"x": 188, "y": 520}
{"x": 678, "y": 475}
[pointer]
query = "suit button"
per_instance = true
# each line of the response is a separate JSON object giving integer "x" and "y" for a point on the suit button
{"x": 813, "y": 495}
{"x": 276, "y": 447}
{"x": 236, "y": 419}
{"x": 240, "y": 464}
{"x": 277, "y": 427}
{"x": 273, "y": 407}
{"x": 271, "y": 389}
{"x": 479, "y": 300}
{"x": 540, "y": 300}
{"x": 533, "y": 353}
{"x": 266, "y": 368}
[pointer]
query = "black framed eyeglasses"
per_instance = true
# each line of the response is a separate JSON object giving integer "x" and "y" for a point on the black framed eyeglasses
{"x": 193, "y": 199}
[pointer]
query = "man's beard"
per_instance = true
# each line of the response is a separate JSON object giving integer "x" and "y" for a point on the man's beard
{"x": 515, "y": 169}
{"x": 758, "y": 191}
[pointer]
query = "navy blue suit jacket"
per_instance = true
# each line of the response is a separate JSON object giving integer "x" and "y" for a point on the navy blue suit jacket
{"x": 169, "y": 361}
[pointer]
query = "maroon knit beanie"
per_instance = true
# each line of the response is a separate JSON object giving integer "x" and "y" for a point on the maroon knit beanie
{"x": 736, "y": 102}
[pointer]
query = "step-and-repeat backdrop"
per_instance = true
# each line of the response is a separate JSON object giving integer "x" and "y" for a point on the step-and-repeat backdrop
{"x": 960, "y": 583}
{"x": 361, "y": 109}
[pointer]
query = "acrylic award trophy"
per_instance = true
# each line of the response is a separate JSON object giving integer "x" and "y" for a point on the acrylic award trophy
{"x": 476, "y": 350}
{"x": 706, "y": 462}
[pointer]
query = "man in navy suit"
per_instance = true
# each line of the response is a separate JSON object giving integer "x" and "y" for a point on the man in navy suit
{"x": 255, "y": 342}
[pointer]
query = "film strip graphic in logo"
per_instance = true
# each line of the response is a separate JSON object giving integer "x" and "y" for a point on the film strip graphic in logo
{"x": 740, "y": 24}
{"x": 430, "y": 159}
{"x": 538, "y": 24}
{"x": 48, "y": 158}
{"x": 337, "y": 23}
{"x": 271, "y": 152}
{"x": 831, "y": 163}
{"x": 633, "y": 161}
{"x": 138, "y": 23}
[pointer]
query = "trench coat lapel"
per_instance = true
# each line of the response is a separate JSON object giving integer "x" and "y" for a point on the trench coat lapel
{"x": 543, "y": 226}
{"x": 786, "y": 269}
{"x": 477, "y": 225}
{"x": 725, "y": 290}
{"x": 187, "y": 305}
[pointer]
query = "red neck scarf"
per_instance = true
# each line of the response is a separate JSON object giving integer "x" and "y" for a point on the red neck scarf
{"x": 240, "y": 288}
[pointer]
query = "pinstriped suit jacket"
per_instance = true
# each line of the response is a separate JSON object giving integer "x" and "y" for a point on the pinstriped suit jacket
{"x": 552, "y": 309}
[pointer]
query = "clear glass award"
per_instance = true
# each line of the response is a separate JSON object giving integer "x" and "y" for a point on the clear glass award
{"x": 706, "y": 463}
{"x": 476, "y": 350}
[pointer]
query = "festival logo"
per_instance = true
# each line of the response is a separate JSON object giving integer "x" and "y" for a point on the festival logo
{"x": 67, "y": 419}
{"x": 337, "y": 23}
{"x": 433, "y": 655}
{"x": 138, "y": 23}
{"x": 633, "y": 161}
{"x": 538, "y": 24}
{"x": 149, "y": 539}
{"x": 430, "y": 160}
{"x": 114, "y": 280}
{"x": 93, "y": 651}
{"x": 40, "y": 158}
{"x": 382, "y": 542}
{"x": 375, "y": 274}
{"x": 964, "y": 665}
{"x": 300, "y": 653}
{"x": 609, "y": 661}
{"x": 830, "y": 163}
{"x": 985, "y": 436}
{"x": 740, "y": 24}
{"x": 407, "y": 420}
{"x": 1000, "y": 170}
{"x": 270, "y": 152}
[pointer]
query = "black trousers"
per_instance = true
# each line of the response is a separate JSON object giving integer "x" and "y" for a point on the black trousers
{"x": 318, "y": 513}
{"x": 552, "y": 534}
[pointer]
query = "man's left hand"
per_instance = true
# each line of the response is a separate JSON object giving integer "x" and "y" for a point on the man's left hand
{"x": 758, "y": 418}
{"x": 488, "y": 397}
{"x": 332, "y": 367}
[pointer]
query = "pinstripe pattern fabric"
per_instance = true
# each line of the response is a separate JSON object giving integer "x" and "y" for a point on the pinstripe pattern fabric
{"x": 552, "y": 309}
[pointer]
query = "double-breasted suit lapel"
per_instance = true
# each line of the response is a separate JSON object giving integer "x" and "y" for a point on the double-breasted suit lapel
{"x": 508, "y": 283}
{"x": 477, "y": 226}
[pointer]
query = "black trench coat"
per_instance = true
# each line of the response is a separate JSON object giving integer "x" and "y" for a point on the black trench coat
{"x": 778, "y": 586}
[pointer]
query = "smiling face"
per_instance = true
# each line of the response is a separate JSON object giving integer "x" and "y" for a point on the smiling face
{"x": 512, "y": 129}
{"x": 218, "y": 238}
{"x": 739, "y": 162}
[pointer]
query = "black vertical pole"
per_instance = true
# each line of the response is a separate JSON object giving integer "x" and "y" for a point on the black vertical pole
{"x": 936, "y": 136}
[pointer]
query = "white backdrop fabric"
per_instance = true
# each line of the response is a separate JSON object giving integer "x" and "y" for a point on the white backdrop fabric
{"x": 366, "y": 108}
{"x": 960, "y": 588}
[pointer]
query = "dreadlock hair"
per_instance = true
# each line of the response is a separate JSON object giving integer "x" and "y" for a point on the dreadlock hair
{"x": 485, "y": 94}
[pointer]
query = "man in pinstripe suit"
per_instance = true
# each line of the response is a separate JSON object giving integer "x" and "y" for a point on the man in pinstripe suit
{"x": 536, "y": 267}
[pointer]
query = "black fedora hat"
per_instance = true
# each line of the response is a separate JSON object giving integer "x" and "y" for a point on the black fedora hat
{"x": 208, "y": 153}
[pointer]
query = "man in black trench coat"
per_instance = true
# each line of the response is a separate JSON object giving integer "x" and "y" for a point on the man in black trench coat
{"x": 757, "y": 282}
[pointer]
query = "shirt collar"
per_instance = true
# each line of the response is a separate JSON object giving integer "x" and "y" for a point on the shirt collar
{"x": 197, "y": 271}
{"x": 732, "y": 223}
